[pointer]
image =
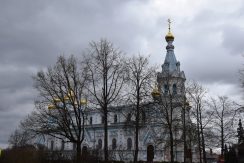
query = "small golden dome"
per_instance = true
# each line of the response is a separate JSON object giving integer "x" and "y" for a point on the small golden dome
{"x": 51, "y": 106}
{"x": 169, "y": 37}
{"x": 56, "y": 100}
{"x": 83, "y": 101}
{"x": 155, "y": 92}
{"x": 71, "y": 93}
{"x": 66, "y": 98}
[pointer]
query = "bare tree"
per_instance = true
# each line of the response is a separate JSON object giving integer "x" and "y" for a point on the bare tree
{"x": 223, "y": 119}
{"x": 242, "y": 77}
{"x": 60, "y": 105}
{"x": 106, "y": 77}
{"x": 171, "y": 94}
{"x": 140, "y": 79}
{"x": 20, "y": 138}
{"x": 201, "y": 114}
{"x": 171, "y": 101}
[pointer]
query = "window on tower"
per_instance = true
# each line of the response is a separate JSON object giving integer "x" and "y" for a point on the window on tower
{"x": 115, "y": 118}
{"x": 90, "y": 120}
{"x": 166, "y": 88}
{"x": 174, "y": 89}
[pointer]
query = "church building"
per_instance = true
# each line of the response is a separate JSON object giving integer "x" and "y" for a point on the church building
{"x": 154, "y": 139}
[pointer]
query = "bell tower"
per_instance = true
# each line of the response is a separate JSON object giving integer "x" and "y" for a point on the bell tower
{"x": 171, "y": 79}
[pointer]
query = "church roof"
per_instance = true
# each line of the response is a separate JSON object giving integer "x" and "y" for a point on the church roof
{"x": 170, "y": 61}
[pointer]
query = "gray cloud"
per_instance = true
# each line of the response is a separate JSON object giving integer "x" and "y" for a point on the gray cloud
{"x": 34, "y": 33}
{"x": 233, "y": 39}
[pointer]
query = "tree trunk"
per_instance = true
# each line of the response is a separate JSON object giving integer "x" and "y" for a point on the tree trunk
{"x": 184, "y": 132}
{"x": 78, "y": 152}
{"x": 203, "y": 146}
{"x": 222, "y": 138}
{"x": 136, "y": 145}
{"x": 105, "y": 135}
{"x": 202, "y": 137}
{"x": 136, "y": 136}
{"x": 171, "y": 146}
{"x": 199, "y": 135}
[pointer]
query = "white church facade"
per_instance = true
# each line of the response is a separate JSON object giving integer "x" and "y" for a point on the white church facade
{"x": 153, "y": 136}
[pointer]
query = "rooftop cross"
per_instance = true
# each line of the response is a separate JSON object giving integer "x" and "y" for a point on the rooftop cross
{"x": 169, "y": 21}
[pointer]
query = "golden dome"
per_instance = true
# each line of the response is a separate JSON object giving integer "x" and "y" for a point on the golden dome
{"x": 83, "y": 101}
{"x": 56, "y": 100}
{"x": 155, "y": 92}
{"x": 66, "y": 98}
{"x": 169, "y": 36}
{"x": 51, "y": 106}
{"x": 71, "y": 93}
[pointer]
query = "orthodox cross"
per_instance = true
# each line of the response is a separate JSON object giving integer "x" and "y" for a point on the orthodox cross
{"x": 169, "y": 21}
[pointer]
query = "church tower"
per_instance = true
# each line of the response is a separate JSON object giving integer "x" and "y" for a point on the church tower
{"x": 170, "y": 96}
{"x": 171, "y": 79}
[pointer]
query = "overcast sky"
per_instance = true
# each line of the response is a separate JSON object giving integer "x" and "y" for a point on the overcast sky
{"x": 209, "y": 37}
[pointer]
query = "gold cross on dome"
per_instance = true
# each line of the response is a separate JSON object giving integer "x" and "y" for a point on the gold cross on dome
{"x": 169, "y": 21}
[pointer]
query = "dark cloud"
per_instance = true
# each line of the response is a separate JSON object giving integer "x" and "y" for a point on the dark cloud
{"x": 34, "y": 33}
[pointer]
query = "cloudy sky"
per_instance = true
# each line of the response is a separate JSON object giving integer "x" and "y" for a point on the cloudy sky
{"x": 209, "y": 37}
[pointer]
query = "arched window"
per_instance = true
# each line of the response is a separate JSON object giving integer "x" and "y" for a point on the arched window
{"x": 129, "y": 144}
{"x": 62, "y": 145}
{"x": 174, "y": 89}
{"x": 90, "y": 120}
{"x": 102, "y": 119}
{"x": 114, "y": 145}
{"x": 115, "y": 118}
{"x": 74, "y": 146}
{"x": 166, "y": 88}
{"x": 52, "y": 145}
{"x": 129, "y": 117}
{"x": 100, "y": 144}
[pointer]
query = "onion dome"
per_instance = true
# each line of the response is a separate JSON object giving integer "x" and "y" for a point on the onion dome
{"x": 155, "y": 92}
{"x": 51, "y": 106}
{"x": 169, "y": 36}
{"x": 66, "y": 98}
{"x": 71, "y": 93}
{"x": 83, "y": 101}
{"x": 56, "y": 100}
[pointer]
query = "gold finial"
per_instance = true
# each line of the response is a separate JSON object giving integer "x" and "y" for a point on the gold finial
{"x": 169, "y": 21}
